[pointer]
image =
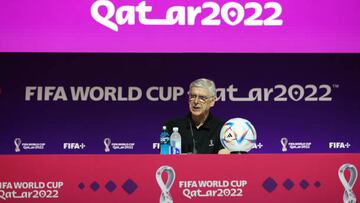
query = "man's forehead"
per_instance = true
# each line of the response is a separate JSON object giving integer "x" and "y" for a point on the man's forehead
{"x": 199, "y": 90}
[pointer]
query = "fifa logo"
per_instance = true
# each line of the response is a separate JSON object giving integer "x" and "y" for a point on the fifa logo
{"x": 107, "y": 143}
{"x": 73, "y": 145}
{"x": 284, "y": 141}
{"x": 17, "y": 143}
{"x": 339, "y": 145}
{"x": 349, "y": 194}
{"x": 165, "y": 196}
{"x": 156, "y": 145}
{"x": 211, "y": 143}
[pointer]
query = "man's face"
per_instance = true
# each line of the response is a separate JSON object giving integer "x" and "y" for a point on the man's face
{"x": 200, "y": 101}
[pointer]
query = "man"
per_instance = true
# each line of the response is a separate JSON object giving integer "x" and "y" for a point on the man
{"x": 199, "y": 130}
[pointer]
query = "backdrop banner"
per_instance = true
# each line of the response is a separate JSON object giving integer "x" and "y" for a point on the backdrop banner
{"x": 70, "y": 103}
{"x": 184, "y": 178}
{"x": 255, "y": 26}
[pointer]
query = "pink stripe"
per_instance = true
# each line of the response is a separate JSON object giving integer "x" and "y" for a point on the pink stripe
{"x": 67, "y": 26}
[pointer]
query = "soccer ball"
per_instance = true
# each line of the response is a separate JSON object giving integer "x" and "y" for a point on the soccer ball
{"x": 238, "y": 135}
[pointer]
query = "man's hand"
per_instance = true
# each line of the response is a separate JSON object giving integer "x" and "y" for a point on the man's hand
{"x": 224, "y": 151}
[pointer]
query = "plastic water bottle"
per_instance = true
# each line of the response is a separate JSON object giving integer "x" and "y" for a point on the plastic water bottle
{"x": 175, "y": 141}
{"x": 164, "y": 141}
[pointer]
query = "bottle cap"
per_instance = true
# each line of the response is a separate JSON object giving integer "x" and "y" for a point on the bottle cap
{"x": 164, "y": 127}
{"x": 175, "y": 129}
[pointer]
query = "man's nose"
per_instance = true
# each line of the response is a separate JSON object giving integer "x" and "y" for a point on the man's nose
{"x": 197, "y": 99}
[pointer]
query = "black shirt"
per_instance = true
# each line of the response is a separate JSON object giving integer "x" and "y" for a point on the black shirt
{"x": 206, "y": 138}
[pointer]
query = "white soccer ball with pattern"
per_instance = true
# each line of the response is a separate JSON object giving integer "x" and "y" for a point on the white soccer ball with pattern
{"x": 238, "y": 135}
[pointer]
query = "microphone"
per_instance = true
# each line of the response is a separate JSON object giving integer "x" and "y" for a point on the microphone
{"x": 194, "y": 150}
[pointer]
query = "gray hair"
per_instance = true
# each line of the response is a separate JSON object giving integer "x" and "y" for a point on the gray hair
{"x": 205, "y": 83}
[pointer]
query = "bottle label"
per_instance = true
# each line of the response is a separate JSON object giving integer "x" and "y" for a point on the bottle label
{"x": 175, "y": 147}
{"x": 175, "y": 150}
{"x": 164, "y": 140}
{"x": 164, "y": 149}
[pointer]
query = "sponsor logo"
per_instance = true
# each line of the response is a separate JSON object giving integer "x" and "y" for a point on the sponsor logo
{"x": 339, "y": 145}
{"x": 280, "y": 93}
{"x": 294, "y": 145}
{"x": 117, "y": 145}
{"x": 156, "y": 145}
{"x": 276, "y": 93}
{"x": 27, "y": 146}
{"x": 231, "y": 14}
{"x": 258, "y": 146}
{"x": 73, "y": 145}
{"x": 299, "y": 145}
{"x": 123, "y": 145}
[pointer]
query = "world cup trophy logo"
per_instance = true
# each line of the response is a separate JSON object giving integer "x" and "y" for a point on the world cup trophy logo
{"x": 349, "y": 195}
{"x": 165, "y": 196}
{"x": 284, "y": 141}
{"x": 107, "y": 143}
{"x": 17, "y": 143}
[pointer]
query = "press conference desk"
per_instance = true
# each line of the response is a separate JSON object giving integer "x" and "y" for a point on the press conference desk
{"x": 193, "y": 178}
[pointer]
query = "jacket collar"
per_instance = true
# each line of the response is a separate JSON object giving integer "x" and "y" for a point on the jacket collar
{"x": 207, "y": 123}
